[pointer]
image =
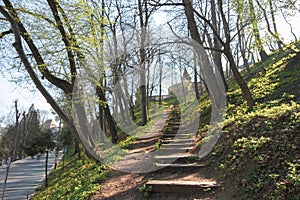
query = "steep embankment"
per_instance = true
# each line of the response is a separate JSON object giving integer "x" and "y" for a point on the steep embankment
{"x": 258, "y": 153}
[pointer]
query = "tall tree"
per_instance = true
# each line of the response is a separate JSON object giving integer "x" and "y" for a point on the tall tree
{"x": 190, "y": 13}
{"x": 243, "y": 39}
{"x": 273, "y": 32}
{"x": 255, "y": 28}
{"x": 217, "y": 55}
{"x": 144, "y": 16}
{"x": 72, "y": 50}
{"x": 16, "y": 130}
{"x": 215, "y": 89}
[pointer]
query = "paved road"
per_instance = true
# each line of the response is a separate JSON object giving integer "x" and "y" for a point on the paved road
{"x": 24, "y": 177}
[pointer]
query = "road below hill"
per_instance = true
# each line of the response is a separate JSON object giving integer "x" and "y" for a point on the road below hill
{"x": 24, "y": 176}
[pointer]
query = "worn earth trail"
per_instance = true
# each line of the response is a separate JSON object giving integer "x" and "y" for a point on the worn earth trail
{"x": 184, "y": 178}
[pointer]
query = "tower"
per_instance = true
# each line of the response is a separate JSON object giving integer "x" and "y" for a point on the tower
{"x": 186, "y": 76}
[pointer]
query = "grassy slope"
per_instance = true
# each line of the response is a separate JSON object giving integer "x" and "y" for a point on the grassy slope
{"x": 258, "y": 153}
{"x": 81, "y": 178}
{"x": 78, "y": 180}
{"x": 257, "y": 156}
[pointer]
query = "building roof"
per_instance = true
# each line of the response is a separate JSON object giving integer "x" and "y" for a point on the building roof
{"x": 186, "y": 75}
{"x": 49, "y": 124}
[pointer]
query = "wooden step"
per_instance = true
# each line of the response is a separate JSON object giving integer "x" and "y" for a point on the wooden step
{"x": 173, "y": 150}
{"x": 179, "y": 165}
{"x": 174, "y": 157}
{"x": 176, "y": 145}
{"x": 180, "y": 186}
{"x": 182, "y": 135}
{"x": 177, "y": 140}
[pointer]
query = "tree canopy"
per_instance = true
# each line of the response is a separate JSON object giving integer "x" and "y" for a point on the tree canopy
{"x": 93, "y": 60}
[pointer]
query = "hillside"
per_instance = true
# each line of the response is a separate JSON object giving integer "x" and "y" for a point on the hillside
{"x": 257, "y": 155}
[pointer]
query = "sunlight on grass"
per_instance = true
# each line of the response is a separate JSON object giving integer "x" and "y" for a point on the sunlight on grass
{"x": 259, "y": 148}
{"x": 258, "y": 151}
{"x": 78, "y": 179}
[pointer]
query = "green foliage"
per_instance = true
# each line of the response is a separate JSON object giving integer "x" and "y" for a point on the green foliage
{"x": 157, "y": 145}
{"x": 78, "y": 179}
{"x": 39, "y": 142}
{"x": 6, "y": 142}
{"x": 145, "y": 190}
{"x": 31, "y": 139}
{"x": 66, "y": 137}
{"x": 259, "y": 149}
{"x": 294, "y": 172}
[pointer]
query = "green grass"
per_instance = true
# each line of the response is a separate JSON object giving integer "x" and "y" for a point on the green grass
{"x": 78, "y": 180}
{"x": 259, "y": 149}
{"x": 82, "y": 178}
{"x": 258, "y": 153}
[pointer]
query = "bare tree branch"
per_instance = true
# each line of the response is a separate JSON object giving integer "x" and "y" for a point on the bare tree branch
{"x": 4, "y": 33}
{"x": 62, "y": 84}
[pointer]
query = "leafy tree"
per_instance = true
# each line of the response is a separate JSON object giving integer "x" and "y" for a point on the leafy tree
{"x": 39, "y": 142}
{"x": 6, "y": 142}
{"x": 31, "y": 139}
{"x": 255, "y": 28}
{"x": 73, "y": 50}
{"x": 56, "y": 41}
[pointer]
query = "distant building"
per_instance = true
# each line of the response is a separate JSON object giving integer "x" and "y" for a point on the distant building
{"x": 186, "y": 76}
{"x": 184, "y": 87}
{"x": 179, "y": 89}
{"x": 156, "y": 97}
{"x": 50, "y": 125}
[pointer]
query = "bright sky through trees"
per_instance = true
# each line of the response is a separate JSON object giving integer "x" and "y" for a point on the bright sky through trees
{"x": 11, "y": 92}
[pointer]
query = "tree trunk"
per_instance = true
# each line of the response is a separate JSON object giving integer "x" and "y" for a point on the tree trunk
{"x": 160, "y": 80}
{"x": 129, "y": 98}
{"x": 291, "y": 27}
{"x": 217, "y": 56}
{"x": 25, "y": 133}
{"x": 16, "y": 136}
{"x": 19, "y": 48}
{"x": 144, "y": 17}
{"x": 107, "y": 116}
{"x": 276, "y": 34}
{"x": 46, "y": 168}
{"x": 214, "y": 88}
{"x": 243, "y": 85}
{"x": 242, "y": 45}
{"x": 77, "y": 149}
{"x": 182, "y": 83}
{"x": 196, "y": 84}
{"x": 263, "y": 55}
{"x": 227, "y": 51}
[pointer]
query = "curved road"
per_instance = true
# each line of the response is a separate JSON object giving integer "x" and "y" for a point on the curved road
{"x": 24, "y": 176}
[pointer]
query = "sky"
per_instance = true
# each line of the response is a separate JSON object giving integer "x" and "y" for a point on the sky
{"x": 11, "y": 92}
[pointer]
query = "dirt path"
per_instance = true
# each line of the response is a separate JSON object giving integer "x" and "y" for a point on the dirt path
{"x": 122, "y": 185}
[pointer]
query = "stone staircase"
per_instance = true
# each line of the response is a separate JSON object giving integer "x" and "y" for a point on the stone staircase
{"x": 179, "y": 186}
{"x": 174, "y": 157}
